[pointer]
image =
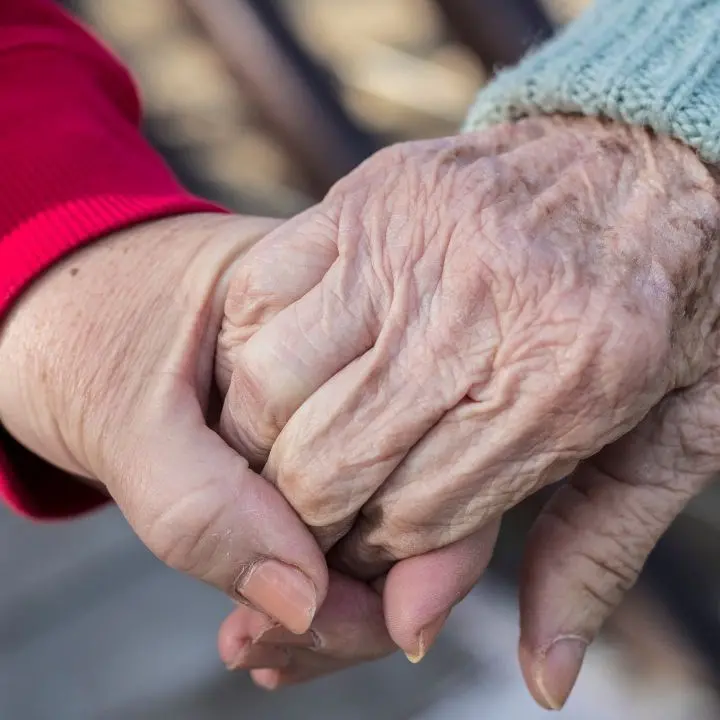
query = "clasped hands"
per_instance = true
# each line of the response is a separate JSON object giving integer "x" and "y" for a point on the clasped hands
{"x": 460, "y": 323}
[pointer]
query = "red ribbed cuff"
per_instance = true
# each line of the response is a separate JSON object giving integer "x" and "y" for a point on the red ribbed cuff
{"x": 74, "y": 167}
{"x": 37, "y": 244}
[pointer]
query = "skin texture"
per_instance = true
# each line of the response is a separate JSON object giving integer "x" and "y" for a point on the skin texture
{"x": 108, "y": 372}
{"x": 108, "y": 365}
{"x": 459, "y": 323}
{"x": 464, "y": 321}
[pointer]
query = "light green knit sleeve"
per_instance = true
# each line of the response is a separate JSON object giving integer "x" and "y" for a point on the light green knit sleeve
{"x": 648, "y": 62}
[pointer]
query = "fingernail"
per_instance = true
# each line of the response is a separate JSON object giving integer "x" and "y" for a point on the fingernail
{"x": 235, "y": 661}
{"x": 280, "y": 591}
{"x": 426, "y": 637}
{"x": 558, "y": 670}
{"x": 266, "y": 679}
{"x": 251, "y": 656}
{"x": 278, "y": 635}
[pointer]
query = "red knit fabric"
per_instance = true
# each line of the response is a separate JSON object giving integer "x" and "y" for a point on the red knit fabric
{"x": 73, "y": 167}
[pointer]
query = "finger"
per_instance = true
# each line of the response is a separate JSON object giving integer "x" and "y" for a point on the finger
{"x": 349, "y": 629}
{"x": 245, "y": 641}
{"x": 266, "y": 678}
{"x": 465, "y": 471}
{"x": 198, "y": 507}
{"x": 326, "y": 466}
{"x": 420, "y": 592}
{"x": 278, "y": 367}
{"x": 276, "y": 272}
{"x": 590, "y": 543}
{"x": 436, "y": 347}
{"x": 286, "y": 361}
{"x": 258, "y": 657}
{"x": 246, "y": 627}
{"x": 303, "y": 667}
{"x": 521, "y": 427}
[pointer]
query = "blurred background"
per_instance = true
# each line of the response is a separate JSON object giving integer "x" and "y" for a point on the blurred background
{"x": 262, "y": 105}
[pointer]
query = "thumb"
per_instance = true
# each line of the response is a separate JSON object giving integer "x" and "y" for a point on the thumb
{"x": 591, "y": 541}
{"x": 195, "y": 503}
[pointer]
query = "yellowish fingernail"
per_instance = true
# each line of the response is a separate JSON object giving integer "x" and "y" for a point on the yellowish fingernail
{"x": 557, "y": 673}
{"x": 416, "y": 657}
{"x": 426, "y": 637}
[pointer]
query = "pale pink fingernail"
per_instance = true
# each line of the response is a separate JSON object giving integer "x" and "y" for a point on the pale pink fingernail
{"x": 282, "y": 592}
{"x": 267, "y": 679}
{"x": 558, "y": 670}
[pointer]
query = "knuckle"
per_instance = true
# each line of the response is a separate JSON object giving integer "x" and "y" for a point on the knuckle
{"x": 238, "y": 302}
{"x": 381, "y": 166}
{"x": 605, "y": 580}
{"x": 248, "y": 303}
{"x": 234, "y": 333}
{"x": 363, "y": 558}
{"x": 252, "y": 425}
{"x": 319, "y": 499}
{"x": 680, "y": 438}
{"x": 604, "y": 560}
{"x": 395, "y": 530}
{"x": 328, "y": 536}
{"x": 328, "y": 512}
{"x": 603, "y": 568}
{"x": 322, "y": 479}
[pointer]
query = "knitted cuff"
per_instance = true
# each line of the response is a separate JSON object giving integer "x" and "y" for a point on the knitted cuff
{"x": 644, "y": 62}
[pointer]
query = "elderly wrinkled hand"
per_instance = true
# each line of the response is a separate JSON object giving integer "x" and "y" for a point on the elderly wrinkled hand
{"x": 464, "y": 321}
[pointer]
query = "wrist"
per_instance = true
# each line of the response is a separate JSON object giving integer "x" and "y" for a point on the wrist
{"x": 652, "y": 63}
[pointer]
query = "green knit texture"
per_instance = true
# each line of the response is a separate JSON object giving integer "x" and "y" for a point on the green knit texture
{"x": 645, "y": 62}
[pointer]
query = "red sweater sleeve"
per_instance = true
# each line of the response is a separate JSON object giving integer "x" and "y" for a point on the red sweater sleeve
{"x": 73, "y": 167}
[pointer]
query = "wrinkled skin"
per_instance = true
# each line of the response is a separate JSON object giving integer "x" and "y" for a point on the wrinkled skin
{"x": 107, "y": 372}
{"x": 552, "y": 285}
{"x": 464, "y": 321}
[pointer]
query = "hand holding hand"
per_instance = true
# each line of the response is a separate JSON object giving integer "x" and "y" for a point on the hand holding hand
{"x": 464, "y": 321}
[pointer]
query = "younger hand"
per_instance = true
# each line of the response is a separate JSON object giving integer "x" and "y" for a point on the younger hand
{"x": 107, "y": 372}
